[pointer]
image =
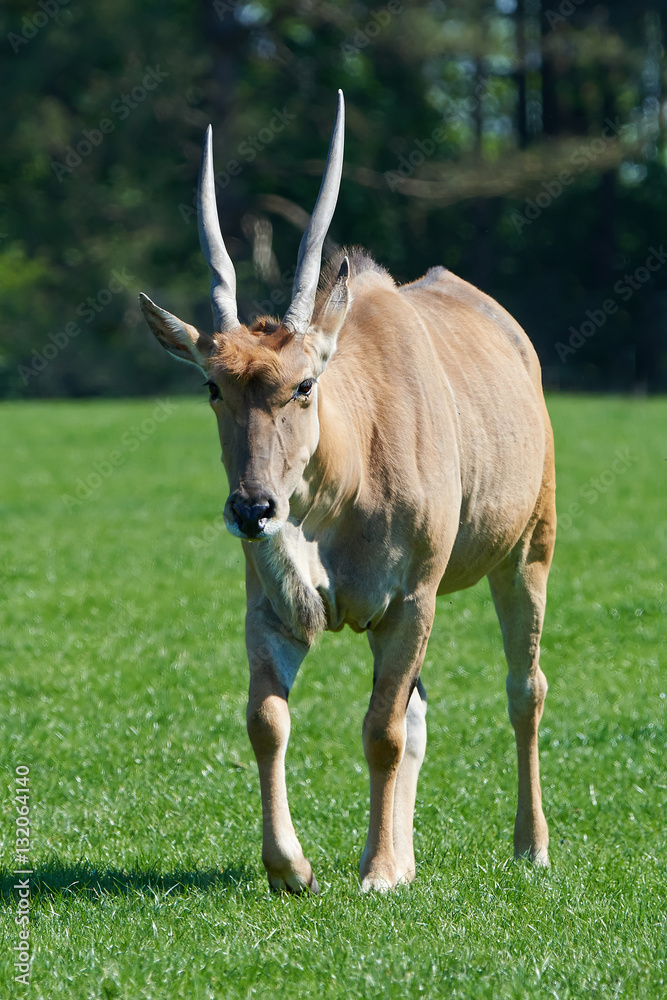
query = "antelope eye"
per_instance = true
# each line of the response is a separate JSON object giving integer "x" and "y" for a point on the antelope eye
{"x": 305, "y": 388}
{"x": 213, "y": 390}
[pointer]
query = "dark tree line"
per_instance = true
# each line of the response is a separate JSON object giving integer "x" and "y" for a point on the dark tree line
{"x": 520, "y": 143}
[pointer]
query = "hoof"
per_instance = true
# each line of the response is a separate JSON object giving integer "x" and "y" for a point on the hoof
{"x": 376, "y": 883}
{"x": 406, "y": 878}
{"x": 539, "y": 858}
{"x": 293, "y": 884}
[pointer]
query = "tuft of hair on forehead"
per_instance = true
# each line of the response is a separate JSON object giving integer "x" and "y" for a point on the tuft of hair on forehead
{"x": 257, "y": 351}
{"x": 253, "y": 352}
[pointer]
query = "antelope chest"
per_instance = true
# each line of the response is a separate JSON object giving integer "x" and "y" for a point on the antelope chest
{"x": 305, "y": 591}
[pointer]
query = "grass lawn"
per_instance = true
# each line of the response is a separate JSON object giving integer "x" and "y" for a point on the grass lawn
{"x": 123, "y": 690}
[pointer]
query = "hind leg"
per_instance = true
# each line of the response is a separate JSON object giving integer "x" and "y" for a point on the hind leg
{"x": 394, "y": 734}
{"x": 518, "y": 587}
{"x": 405, "y": 792}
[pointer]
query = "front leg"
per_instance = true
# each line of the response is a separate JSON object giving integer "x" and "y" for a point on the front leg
{"x": 274, "y": 661}
{"x": 269, "y": 727}
{"x": 398, "y": 645}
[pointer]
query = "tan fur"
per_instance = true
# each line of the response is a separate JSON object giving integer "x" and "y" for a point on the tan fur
{"x": 252, "y": 352}
{"x": 421, "y": 462}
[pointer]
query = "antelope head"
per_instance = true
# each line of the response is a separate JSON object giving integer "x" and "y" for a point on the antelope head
{"x": 263, "y": 378}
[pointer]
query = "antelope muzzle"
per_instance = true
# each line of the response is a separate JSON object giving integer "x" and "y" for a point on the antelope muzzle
{"x": 249, "y": 513}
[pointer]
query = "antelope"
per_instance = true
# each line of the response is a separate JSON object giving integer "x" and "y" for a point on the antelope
{"x": 383, "y": 445}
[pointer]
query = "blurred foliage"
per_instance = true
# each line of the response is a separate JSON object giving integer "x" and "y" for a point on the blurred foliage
{"x": 521, "y": 144}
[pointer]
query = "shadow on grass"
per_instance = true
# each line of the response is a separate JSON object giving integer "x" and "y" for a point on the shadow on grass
{"x": 81, "y": 879}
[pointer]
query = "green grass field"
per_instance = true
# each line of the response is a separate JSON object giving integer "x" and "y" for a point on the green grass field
{"x": 123, "y": 689}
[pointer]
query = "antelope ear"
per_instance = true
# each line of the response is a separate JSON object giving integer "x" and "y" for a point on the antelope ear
{"x": 180, "y": 339}
{"x": 323, "y": 334}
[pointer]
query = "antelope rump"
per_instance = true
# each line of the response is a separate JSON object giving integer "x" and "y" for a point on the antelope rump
{"x": 384, "y": 445}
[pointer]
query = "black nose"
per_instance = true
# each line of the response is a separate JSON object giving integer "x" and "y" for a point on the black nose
{"x": 252, "y": 513}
